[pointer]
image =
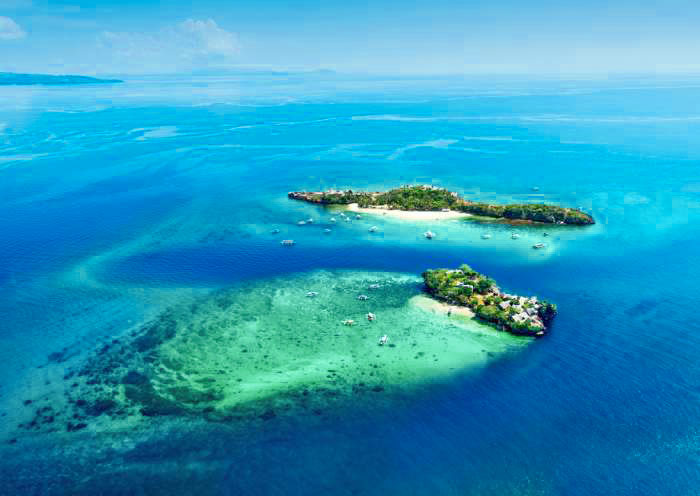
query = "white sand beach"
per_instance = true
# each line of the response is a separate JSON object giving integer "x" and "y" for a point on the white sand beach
{"x": 432, "y": 305}
{"x": 407, "y": 214}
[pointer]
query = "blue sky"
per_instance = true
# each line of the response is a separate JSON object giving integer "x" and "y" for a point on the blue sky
{"x": 380, "y": 36}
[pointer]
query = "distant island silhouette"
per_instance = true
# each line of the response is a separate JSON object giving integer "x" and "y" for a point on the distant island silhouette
{"x": 13, "y": 79}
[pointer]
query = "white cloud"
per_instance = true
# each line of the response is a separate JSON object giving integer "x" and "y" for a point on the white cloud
{"x": 187, "y": 45}
{"x": 10, "y": 30}
{"x": 210, "y": 38}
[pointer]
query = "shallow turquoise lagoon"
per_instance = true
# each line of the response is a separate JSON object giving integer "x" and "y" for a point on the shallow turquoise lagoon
{"x": 137, "y": 261}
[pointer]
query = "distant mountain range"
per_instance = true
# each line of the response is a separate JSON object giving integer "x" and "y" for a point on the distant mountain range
{"x": 10, "y": 78}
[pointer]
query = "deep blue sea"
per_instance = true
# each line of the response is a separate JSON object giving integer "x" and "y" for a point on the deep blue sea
{"x": 119, "y": 201}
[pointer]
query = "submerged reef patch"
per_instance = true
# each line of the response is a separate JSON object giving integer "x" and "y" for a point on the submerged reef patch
{"x": 302, "y": 343}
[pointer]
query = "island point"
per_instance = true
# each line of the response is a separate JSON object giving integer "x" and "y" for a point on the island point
{"x": 443, "y": 203}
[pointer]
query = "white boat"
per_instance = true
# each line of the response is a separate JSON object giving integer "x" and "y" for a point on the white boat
{"x": 310, "y": 221}
{"x": 374, "y": 286}
{"x": 363, "y": 297}
{"x": 485, "y": 236}
{"x": 348, "y": 322}
{"x": 371, "y": 316}
{"x": 358, "y": 217}
{"x": 311, "y": 294}
{"x": 301, "y": 223}
{"x": 429, "y": 234}
{"x": 383, "y": 340}
{"x": 327, "y": 231}
{"x": 373, "y": 229}
{"x": 514, "y": 236}
{"x": 538, "y": 246}
{"x": 332, "y": 219}
{"x": 287, "y": 242}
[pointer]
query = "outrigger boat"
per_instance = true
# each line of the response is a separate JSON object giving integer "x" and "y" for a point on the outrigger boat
{"x": 383, "y": 340}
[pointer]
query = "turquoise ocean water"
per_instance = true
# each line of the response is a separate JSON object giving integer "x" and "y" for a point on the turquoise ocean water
{"x": 118, "y": 202}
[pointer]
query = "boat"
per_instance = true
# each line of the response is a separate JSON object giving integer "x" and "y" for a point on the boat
{"x": 310, "y": 221}
{"x": 485, "y": 236}
{"x": 374, "y": 286}
{"x": 371, "y": 316}
{"x": 514, "y": 236}
{"x": 301, "y": 223}
{"x": 348, "y": 322}
{"x": 545, "y": 234}
{"x": 358, "y": 217}
{"x": 275, "y": 231}
{"x": 363, "y": 297}
{"x": 332, "y": 219}
{"x": 311, "y": 294}
{"x": 538, "y": 246}
{"x": 373, "y": 229}
{"x": 287, "y": 242}
{"x": 383, "y": 340}
{"x": 535, "y": 188}
{"x": 327, "y": 231}
{"x": 429, "y": 234}
{"x": 347, "y": 219}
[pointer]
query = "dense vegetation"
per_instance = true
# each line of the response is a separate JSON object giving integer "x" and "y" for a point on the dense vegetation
{"x": 466, "y": 287}
{"x": 431, "y": 198}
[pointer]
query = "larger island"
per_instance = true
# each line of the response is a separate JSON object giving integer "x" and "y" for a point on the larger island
{"x": 431, "y": 198}
{"x": 465, "y": 287}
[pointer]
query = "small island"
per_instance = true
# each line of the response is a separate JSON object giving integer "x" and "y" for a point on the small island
{"x": 465, "y": 287}
{"x": 432, "y": 199}
{"x": 13, "y": 79}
